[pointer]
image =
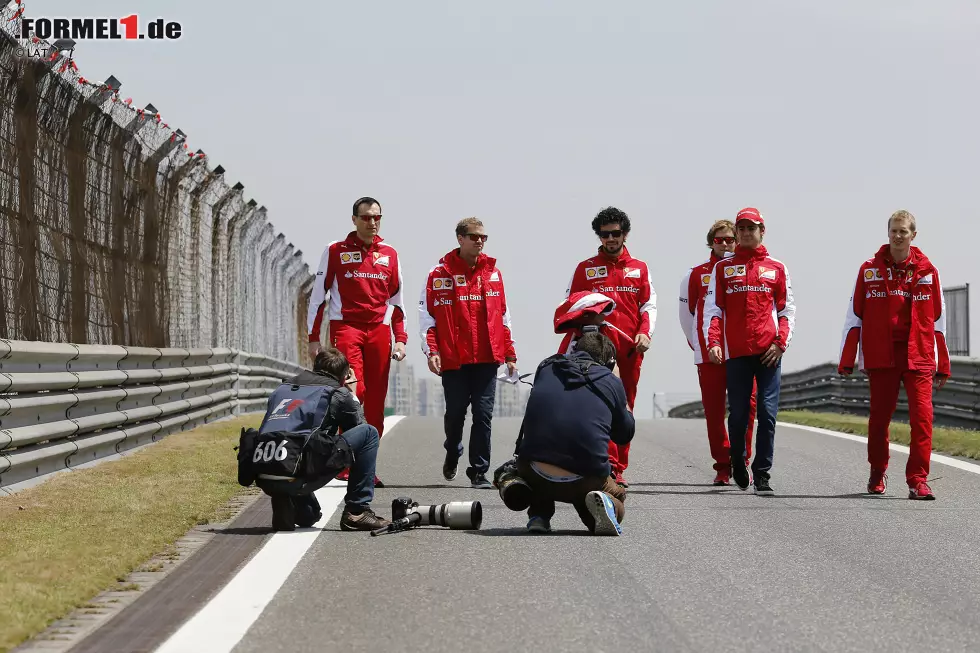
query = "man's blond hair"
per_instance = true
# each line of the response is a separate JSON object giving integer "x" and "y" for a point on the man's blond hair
{"x": 463, "y": 226}
{"x": 904, "y": 216}
{"x": 717, "y": 226}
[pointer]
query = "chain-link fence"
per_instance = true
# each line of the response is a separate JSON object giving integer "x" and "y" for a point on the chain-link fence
{"x": 112, "y": 232}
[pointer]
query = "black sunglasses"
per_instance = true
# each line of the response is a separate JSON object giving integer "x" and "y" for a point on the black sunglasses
{"x": 615, "y": 233}
{"x": 477, "y": 237}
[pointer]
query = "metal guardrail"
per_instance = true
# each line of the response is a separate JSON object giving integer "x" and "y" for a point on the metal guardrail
{"x": 62, "y": 405}
{"x": 820, "y": 388}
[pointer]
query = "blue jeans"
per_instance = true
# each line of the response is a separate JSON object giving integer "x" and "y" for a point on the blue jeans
{"x": 363, "y": 441}
{"x": 471, "y": 385}
{"x": 740, "y": 372}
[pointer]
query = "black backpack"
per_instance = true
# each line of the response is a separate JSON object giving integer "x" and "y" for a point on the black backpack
{"x": 296, "y": 438}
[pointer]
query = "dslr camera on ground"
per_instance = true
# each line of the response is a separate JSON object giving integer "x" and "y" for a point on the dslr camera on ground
{"x": 456, "y": 515}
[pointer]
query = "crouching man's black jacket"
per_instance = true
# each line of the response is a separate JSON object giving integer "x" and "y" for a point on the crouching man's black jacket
{"x": 576, "y": 406}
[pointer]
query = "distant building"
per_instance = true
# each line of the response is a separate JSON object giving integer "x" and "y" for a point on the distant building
{"x": 510, "y": 401}
{"x": 429, "y": 397}
{"x": 401, "y": 389}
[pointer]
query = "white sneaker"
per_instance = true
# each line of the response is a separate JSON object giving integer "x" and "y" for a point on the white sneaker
{"x": 602, "y": 509}
{"x": 538, "y": 525}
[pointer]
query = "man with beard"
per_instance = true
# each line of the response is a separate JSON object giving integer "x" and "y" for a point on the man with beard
{"x": 614, "y": 273}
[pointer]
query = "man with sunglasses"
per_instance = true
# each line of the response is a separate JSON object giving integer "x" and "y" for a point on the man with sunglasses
{"x": 465, "y": 331}
{"x": 712, "y": 378}
{"x": 613, "y": 272}
{"x": 359, "y": 287}
{"x": 751, "y": 313}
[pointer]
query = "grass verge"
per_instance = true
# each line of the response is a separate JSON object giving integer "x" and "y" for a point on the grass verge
{"x": 78, "y": 534}
{"x": 955, "y": 442}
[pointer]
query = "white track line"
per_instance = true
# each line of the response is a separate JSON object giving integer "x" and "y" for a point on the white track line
{"x": 221, "y": 624}
{"x": 936, "y": 458}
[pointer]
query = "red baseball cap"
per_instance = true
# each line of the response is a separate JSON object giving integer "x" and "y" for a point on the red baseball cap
{"x": 750, "y": 214}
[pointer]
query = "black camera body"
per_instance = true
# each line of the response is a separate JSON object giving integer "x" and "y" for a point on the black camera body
{"x": 514, "y": 490}
{"x": 401, "y": 506}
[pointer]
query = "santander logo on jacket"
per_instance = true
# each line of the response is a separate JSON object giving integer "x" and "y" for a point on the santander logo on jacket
{"x": 751, "y": 304}
{"x": 896, "y": 302}
{"x": 625, "y": 280}
{"x": 463, "y": 314}
{"x": 695, "y": 286}
{"x": 364, "y": 284}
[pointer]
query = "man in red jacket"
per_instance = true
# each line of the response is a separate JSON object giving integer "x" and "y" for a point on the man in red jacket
{"x": 898, "y": 316}
{"x": 712, "y": 378}
{"x": 465, "y": 330}
{"x": 359, "y": 288}
{"x": 751, "y": 312}
{"x": 613, "y": 272}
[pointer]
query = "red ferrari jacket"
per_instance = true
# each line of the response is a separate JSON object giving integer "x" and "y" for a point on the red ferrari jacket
{"x": 626, "y": 281}
{"x": 889, "y": 299}
{"x": 357, "y": 283}
{"x": 751, "y": 304}
{"x": 463, "y": 314}
{"x": 694, "y": 288}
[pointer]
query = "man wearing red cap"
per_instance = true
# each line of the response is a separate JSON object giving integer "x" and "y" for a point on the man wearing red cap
{"x": 613, "y": 272}
{"x": 898, "y": 316}
{"x": 713, "y": 379}
{"x": 751, "y": 313}
{"x": 359, "y": 288}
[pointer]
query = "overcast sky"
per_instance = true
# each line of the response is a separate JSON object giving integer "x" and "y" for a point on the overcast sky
{"x": 535, "y": 115}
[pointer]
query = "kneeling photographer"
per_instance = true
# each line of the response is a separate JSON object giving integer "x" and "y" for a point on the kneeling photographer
{"x": 577, "y": 405}
{"x": 313, "y": 429}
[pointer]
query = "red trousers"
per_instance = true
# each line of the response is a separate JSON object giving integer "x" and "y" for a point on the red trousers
{"x": 368, "y": 350}
{"x": 629, "y": 374}
{"x": 885, "y": 384}
{"x": 714, "y": 383}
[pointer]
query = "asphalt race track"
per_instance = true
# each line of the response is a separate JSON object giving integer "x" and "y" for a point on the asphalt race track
{"x": 820, "y": 566}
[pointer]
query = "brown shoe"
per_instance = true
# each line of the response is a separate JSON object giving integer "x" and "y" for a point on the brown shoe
{"x": 366, "y": 521}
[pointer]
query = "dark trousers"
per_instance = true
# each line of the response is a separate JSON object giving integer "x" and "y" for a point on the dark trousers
{"x": 471, "y": 385}
{"x": 741, "y": 372}
{"x": 546, "y": 492}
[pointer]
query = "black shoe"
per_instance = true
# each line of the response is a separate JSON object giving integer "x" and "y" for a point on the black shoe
{"x": 479, "y": 480}
{"x": 450, "y": 466}
{"x": 741, "y": 475}
{"x": 283, "y": 513}
{"x": 762, "y": 486}
{"x": 307, "y": 511}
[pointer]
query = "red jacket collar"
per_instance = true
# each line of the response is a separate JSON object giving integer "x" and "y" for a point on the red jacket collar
{"x": 457, "y": 265}
{"x": 354, "y": 241}
{"x": 917, "y": 260}
{"x": 621, "y": 260}
{"x": 747, "y": 253}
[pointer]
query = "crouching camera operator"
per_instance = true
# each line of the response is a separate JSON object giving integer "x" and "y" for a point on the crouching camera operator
{"x": 577, "y": 405}
{"x": 313, "y": 429}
